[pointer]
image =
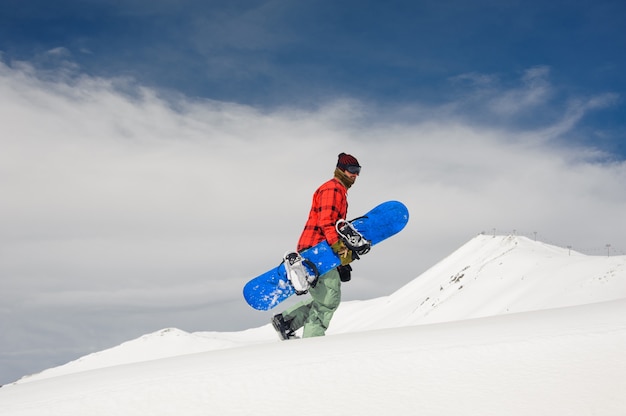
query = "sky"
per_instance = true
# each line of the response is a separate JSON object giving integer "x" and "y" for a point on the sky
{"x": 156, "y": 155}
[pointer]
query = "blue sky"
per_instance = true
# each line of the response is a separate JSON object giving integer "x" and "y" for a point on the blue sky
{"x": 158, "y": 154}
{"x": 302, "y": 53}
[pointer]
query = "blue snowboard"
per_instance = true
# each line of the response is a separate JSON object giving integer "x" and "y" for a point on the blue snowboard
{"x": 269, "y": 289}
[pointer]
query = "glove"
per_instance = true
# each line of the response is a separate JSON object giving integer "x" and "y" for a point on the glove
{"x": 345, "y": 254}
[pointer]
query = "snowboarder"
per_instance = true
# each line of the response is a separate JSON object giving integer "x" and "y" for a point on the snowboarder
{"x": 329, "y": 205}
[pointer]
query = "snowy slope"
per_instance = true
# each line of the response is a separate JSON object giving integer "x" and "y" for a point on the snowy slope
{"x": 562, "y": 361}
{"x": 504, "y": 325}
{"x": 165, "y": 343}
{"x": 492, "y": 276}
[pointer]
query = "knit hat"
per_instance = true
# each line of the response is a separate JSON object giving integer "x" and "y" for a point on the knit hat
{"x": 349, "y": 163}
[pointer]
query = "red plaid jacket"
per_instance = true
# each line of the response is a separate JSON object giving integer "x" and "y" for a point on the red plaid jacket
{"x": 330, "y": 203}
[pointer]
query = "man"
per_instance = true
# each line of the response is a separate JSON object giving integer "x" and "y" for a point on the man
{"x": 329, "y": 205}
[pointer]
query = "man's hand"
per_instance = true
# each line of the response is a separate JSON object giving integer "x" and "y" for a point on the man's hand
{"x": 344, "y": 253}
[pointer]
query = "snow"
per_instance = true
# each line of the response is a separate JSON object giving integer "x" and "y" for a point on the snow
{"x": 502, "y": 326}
{"x": 492, "y": 276}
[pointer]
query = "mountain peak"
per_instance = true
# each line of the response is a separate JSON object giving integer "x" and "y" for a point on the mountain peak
{"x": 492, "y": 275}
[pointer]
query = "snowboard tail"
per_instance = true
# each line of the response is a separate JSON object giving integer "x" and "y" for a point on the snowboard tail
{"x": 269, "y": 289}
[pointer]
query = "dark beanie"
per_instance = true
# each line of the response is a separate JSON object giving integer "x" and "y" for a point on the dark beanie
{"x": 346, "y": 160}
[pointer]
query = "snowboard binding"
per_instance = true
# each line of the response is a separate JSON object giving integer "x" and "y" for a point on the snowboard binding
{"x": 353, "y": 239}
{"x": 301, "y": 272}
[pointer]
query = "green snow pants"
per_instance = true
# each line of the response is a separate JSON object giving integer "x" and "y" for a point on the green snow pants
{"x": 315, "y": 313}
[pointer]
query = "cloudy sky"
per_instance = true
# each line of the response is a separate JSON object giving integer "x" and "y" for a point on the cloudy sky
{"x": 156, "y": 155}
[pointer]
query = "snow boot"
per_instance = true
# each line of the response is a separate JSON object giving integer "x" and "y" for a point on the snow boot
{"x": 282, "y": 327}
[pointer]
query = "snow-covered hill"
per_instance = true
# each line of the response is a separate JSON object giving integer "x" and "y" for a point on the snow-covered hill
{"x": 504, "y": 325}
{"x": 491, "y": 276}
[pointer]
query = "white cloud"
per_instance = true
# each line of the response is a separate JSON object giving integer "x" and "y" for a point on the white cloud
{"x": 117, "y": 201}
{"x": 534, "y": 91}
